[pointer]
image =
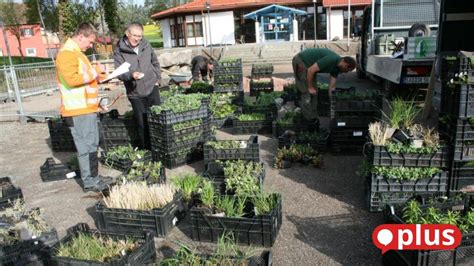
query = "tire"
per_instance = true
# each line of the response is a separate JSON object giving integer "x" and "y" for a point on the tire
{"x": 419, "y": 30}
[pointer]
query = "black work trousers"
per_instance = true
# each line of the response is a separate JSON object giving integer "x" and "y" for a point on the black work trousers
{"x": 140, "y": 108}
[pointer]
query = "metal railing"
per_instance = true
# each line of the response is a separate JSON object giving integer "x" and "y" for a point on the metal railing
{"x": 31, "y": 90}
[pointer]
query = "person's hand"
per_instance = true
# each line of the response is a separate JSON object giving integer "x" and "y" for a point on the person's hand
{"x": 313, "y": 91}
{"x": 137, "y": 75}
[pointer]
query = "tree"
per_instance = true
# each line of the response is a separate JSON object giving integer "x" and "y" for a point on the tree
{"x": 129, "y": 13}
{"x": 12, "y": 16}
{"x": 110, "y": 8}
{"x": 48, "y": 9}
{"x": 71, "y": 14}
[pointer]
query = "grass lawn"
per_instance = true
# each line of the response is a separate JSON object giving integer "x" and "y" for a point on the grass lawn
{"x": 151, "y": 33}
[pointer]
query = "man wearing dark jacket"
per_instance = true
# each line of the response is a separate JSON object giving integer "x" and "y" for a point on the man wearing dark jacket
{"x": 201, "y": 65}
{"x": 143, "y": 75}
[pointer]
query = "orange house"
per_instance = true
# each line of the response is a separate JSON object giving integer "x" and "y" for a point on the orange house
{"x": 33, "y": 42}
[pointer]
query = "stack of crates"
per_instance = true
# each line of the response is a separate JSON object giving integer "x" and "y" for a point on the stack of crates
{"x": 118, "y": 131}
{"x": 228, "y": 77}
{"x": 351, "y": 113}
{"x": 261, "y": 81}
{"x": 60, "y": 136}
{"x": 177, "y": 138}
{"x": 457, "y": 116}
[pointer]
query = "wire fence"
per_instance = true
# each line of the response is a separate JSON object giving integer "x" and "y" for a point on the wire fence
{"x": 31, "y": 90}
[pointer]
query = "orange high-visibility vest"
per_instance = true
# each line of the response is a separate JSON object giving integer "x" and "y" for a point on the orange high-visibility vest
{"x": 77, "y": 81}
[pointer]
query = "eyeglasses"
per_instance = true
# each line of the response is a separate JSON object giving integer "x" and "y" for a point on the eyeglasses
{"x": 136, "y": 35}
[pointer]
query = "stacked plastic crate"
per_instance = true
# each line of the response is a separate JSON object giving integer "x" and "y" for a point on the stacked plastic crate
{"x": 351, "y": 113}
{"x": 177, "y": 138}
{"x": 60, "y": 136}
{"x": 261, "y": 81}
{"x": 228, "y": 78}
{"x": 117, "y": 130}
{"x": 457, "y": 116}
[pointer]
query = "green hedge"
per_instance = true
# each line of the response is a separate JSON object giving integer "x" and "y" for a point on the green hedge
{"x": 156, "y": 44}
{"x": 17, "y": 60}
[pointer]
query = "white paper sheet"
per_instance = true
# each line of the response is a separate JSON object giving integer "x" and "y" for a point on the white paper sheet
{"x": 123, "y": 68}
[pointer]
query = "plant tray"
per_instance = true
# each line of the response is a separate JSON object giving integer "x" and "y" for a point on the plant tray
{"x": 160, "y": 221}
{"x": 437, "y": 183}
{"x": 251, "y": 152}
{"x": 382, "y": 157}
{"x": 118, "y": 131}
{"x": 373, "y": 105}
{"x": 261, "y": 70}
{"x": 28, "y": 252}
{"x": 377, "y": 201}
{"x": 320, "y": 146}
{"x": 462, "y": 255}
{"x": 458, "y": 101}
{"x": 146, "y": 177}
{"x": 259, "y": 231}
{"x": 144, "y": 253}
{"x": 215, "y": 173}
{"x": 463, "y": 63}
{"x": 123, "y": 165}
{"x": 52, "y": 171}
{"x": 461, "y": 176}
{"x": 236, "y": 63}
{"x": 9, "y": 192}
{"x": 279, "y": 129}
{"x": 270, "y": 109}
{"x": 172, "y": 161}
{"x": 167, "y": 133}
{"x": 228, "y": 87}
{"x": 252, "y": 127}
{"x": 173, "y": 147}
{"x": 256, "y": 88}
{"x": 168, "y": 117}
{"x": 221, "y": 122}
{"x": 60, "y": 136}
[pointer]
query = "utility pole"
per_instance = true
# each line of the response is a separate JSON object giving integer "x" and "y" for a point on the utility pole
{"x": 44, "y": 29}
{"x": 315, "y": 14}
{"x": 349, "y": 16}
{"x": 208, "y": 7}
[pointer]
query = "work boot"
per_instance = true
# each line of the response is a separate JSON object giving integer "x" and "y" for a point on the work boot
{"x": 96, "y": 184}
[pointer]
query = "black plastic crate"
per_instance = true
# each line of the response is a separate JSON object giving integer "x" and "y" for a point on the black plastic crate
{"x": 323, "y": 109}
{"x": 462, "y": 255}
{"x": 367, "y": 105}
{"x": 28, "y": 252}
{"x": 228, "y": 87}
{"x": 270, "y": 109}
{"x": 461, "y": 176}
{"x": 168, "y": 117}
{"x": 178, "y": 145}
{"x": 215, "y": 172}
{"x": 436, "y": 183}
{"x": 349, "y": 137}
{"x": 352, "y": 122}
{"x": 235, "y": 63}
{"x": 261, "y": 71}
{"x": 60, "y": 136}
{"x": 250, "y": 152}
{"x": 257, "y": 87}
{"x": 118, "y": 131}
{"x": 221, "y": 122}
{"x": 377, "y": 201}
{"x": 172, "y": 161}
{"x": 462, "y": 63}
{"x": 279, "y": 129}
{"x": 147, "y": 178}
{"x": 458, "y": 100}
{"x": 252, "y": 127}
{"x": 144, "y": 253}
{"x": 464, "y": 150}
{"x": 160, "y": 221}
{"x": 320, "y": 145}
{"x": 259, "y": 231}
{"x": 382, "y": 157}
{"x": 9, "y": 192}
{"x": 52, "y": 171}
{"x": 168, "y": 134}
{"x": 123, "y": 165}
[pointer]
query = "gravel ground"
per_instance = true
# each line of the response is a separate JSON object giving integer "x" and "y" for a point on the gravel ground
{"x": 325, "y": 221}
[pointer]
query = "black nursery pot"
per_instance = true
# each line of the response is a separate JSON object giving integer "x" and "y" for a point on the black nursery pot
{"x": 401, "y": 136}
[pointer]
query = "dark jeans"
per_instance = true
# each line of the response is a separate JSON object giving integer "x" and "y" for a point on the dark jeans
{"x": 140, "y": 108}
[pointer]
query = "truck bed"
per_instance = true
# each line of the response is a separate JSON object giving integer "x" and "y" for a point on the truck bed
{"x": 386, "y": 67}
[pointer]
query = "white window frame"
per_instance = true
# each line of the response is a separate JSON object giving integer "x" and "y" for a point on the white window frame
{"x": 30, "y": 54}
